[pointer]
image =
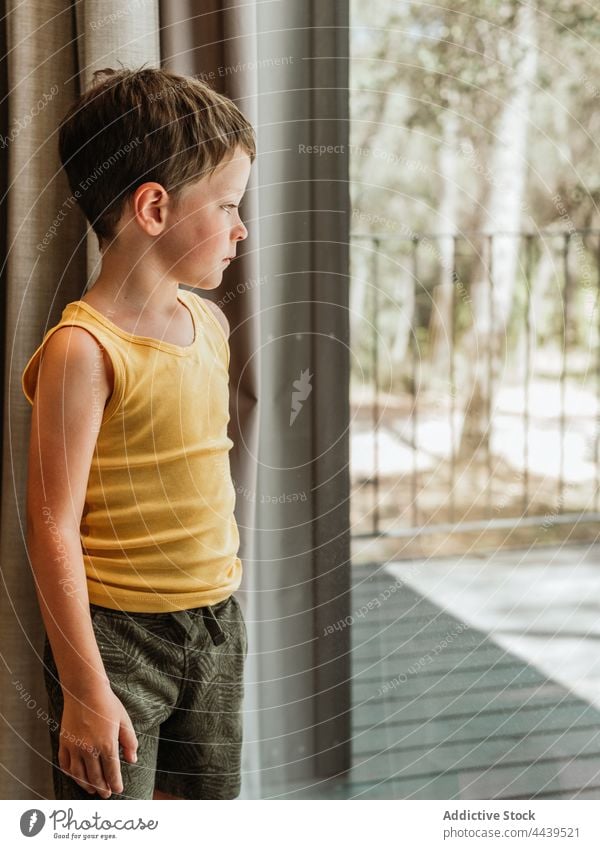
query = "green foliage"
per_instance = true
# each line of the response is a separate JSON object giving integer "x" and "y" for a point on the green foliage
{"x": 416, "y": 63}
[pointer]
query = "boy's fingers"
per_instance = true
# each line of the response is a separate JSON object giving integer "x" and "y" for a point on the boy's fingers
{"x": 78, "y": 772}
{"x": 64, "y": 758}
{"x": 128, "y": 739}
{"x": 111, "y": 767}
{"x": 95, "y": 775}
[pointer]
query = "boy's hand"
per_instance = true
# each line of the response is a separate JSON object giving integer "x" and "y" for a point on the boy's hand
{"x": 91, "y": 730}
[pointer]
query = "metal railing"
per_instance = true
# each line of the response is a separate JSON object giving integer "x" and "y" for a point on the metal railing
{"x": 554, "y": 273}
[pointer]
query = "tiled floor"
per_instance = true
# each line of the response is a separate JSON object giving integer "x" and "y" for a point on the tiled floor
{"x": 454, "y": 695}
{"x": 542, "y": 605}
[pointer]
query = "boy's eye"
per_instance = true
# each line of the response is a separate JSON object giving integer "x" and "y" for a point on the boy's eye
{"x": 232, "y": 205}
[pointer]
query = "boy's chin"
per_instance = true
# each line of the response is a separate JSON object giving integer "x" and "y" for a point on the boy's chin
{"x": 207, "y": 283}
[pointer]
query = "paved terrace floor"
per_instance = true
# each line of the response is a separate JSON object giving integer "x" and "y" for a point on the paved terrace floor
{"x": 478, "y": 678}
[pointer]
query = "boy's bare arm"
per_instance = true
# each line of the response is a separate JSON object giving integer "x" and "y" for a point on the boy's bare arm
{"x": 72, "y": 388}
{"x": 64, "y": 430}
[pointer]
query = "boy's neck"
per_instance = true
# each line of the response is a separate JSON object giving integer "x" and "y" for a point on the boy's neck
{"x": 133, "y": 287}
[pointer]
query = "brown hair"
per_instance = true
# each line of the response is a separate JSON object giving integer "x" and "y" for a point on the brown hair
{"x": 147, "y": 124}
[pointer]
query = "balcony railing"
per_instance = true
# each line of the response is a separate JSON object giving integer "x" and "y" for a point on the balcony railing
{"x": 475, "y": 382}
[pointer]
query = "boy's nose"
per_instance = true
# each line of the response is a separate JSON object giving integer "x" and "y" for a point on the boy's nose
{"x": 241, "y": 232}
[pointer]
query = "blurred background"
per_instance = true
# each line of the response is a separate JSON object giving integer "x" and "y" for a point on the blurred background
{"x": 475, "y": 380}
{"x": 475, "y": 272}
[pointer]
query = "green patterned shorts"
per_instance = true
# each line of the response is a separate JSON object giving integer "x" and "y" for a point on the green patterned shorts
{"x": 180, "y": 678}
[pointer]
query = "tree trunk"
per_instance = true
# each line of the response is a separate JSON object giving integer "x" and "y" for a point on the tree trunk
{"x": 440, "y": 324}
{"x": 503, "y": 216}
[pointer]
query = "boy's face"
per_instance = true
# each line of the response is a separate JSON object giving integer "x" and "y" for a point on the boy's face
{"x": 205, "y": 227}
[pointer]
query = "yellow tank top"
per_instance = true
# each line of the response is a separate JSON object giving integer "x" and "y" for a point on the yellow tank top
{"x": 158, "y": 531}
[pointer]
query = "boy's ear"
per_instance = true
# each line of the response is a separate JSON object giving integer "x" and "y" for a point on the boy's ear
{"x": 150, "y": 202}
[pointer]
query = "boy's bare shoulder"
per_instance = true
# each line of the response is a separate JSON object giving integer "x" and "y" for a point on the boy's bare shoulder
{"x": 74, "y": 351}
{"x": 218, "y": 312}
{"x": 68, "y": 388}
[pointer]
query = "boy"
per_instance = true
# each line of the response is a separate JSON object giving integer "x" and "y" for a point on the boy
{"x": 130, "y": 525}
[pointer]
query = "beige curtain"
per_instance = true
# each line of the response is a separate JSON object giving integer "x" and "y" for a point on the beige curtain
{"x": 286, "y": 65}
{"x": 287, "y": 304}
